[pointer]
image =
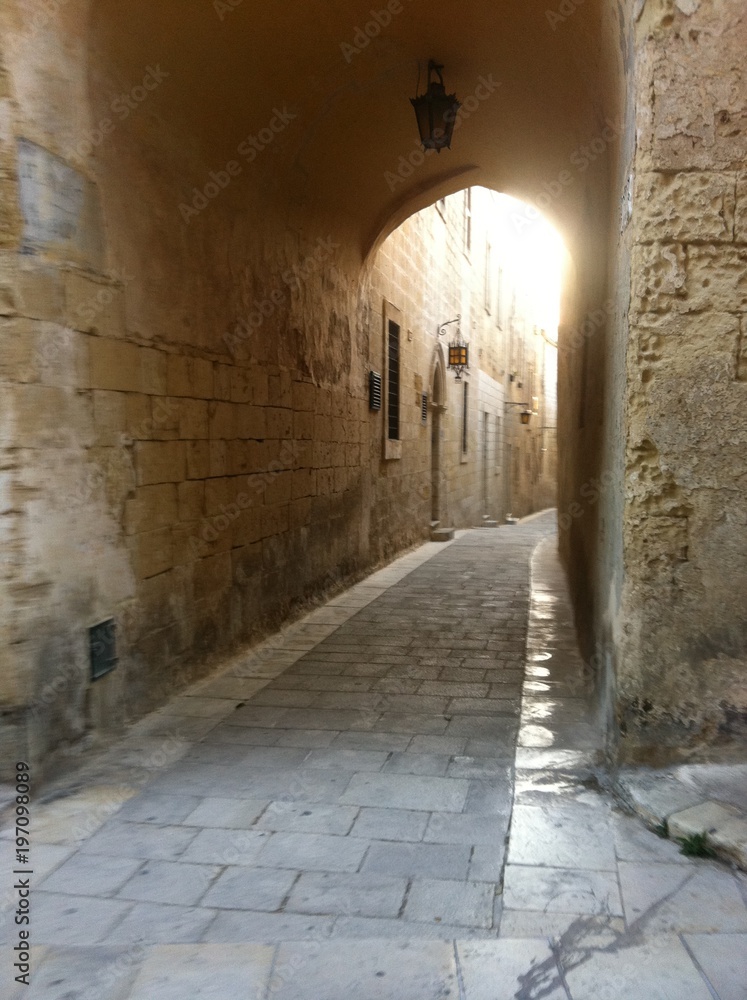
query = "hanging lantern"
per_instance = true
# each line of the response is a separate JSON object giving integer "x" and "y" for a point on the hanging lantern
{"x": 436, "y": 112}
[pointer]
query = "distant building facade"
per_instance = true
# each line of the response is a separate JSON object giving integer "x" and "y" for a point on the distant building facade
{"x": 462, "y": 440}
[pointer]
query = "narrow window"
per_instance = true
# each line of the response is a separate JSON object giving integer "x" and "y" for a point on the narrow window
{"x": 465, "y": 420}
{"x": 393, "y": 381}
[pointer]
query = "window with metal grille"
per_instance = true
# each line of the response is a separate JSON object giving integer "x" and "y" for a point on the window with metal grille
{"x": 424, "y": 408}
{"x": 393, "y": 381}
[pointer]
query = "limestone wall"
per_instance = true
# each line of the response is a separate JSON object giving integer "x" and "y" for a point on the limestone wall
{"x": 187, "y": 442}
{"x": 683, "y": 661}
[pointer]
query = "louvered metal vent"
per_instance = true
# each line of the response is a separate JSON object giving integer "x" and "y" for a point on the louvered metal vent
{"x": 424, "y": 408}
{"x": 374, "y": 391}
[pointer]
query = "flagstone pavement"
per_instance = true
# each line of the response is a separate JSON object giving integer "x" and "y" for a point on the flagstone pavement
{"x": 400, "y": 796}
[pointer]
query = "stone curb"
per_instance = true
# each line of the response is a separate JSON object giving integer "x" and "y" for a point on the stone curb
{"x": 664, "y": 802}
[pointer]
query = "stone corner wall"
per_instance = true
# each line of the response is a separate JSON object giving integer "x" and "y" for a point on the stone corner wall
{"x": 682, "y": 686}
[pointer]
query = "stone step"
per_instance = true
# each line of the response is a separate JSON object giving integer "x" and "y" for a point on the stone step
{"x": 442, "y": 534}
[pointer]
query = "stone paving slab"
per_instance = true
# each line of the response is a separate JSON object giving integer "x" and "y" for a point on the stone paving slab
{"x": 330, "y": 816}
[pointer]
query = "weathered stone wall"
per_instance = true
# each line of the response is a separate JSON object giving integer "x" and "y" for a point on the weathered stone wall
{"x": 683, "y": 657}
{"x": 187, "y": 441}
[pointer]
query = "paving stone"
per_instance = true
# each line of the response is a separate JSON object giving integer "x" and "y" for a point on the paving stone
{"x": 417, "y": 763}
{"x": 584, "y": 931}
{"x": 654, "y": 795}
{"x": 169, "y": 882}
{"x": 376, "y": 970}
{"x": 502, "y": 750}
{"x": 247, "y": 735}
{"x": 160, "y": 809}
{"x": 82, "y": 973}
{"x": 466, "y": 828}
{"x": 438, "y": 744}
{"x": 373, "y": 741}
{"x": 207, "y": 708}
{"x": 723, "y": 958}
{"x": 61, "y": 919}
{"x": 491, "y": 796}
{"x": 250, "y": 889}
{"x": 463, "y": 766}
{"x": 509, "y": 968}
{"x": 86, "y": 875}
{"x": 300, "y": 785}
{"x": 704, "y": 899}
{"x": 633, "y": 842}
{"x": 226, "y": 847}
{"x": 345, "y": 759}
{"x": 536, "y": 787}
{"x": 659, "y": 967}
{"x": 308, "y": 818}
{"x": 140, "y": 840}
{"x": 292, "y": 698}
{"x": 249, "y": 715}
{"x": 404, "y": 791}
{"x": 228, "y": 813}
{"x": 368, "y": 895}
{"x": 451, "y": 902}
{"x": 402, "y": 722}
{"x": 448, "y": 861}
{"x": 312, "y": 739}
{"x": 276, "y": 757}
{"x": 204, "y": 972}
{"x": 501, "y": 728}
{"x": 232, "y": 688}
{"x": 560, "y": 890}
{"x": 156, "y": 923}
{"x": 312, "y": 852}
{"x": 562, "y": 837}
{"x": 390, "y": 824}
{"x": 537, "y": 757}
{"x": 245, "y": 925}
{"x": 325, "y": 667}
{"x": 487, "y": 861}
{"x": 321, "y": 718}
{"x": 47, "y": 858}
{"x": 317, "y": 682}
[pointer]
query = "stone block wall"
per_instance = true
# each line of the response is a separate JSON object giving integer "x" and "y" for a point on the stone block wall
{"x": 682, "y": 685}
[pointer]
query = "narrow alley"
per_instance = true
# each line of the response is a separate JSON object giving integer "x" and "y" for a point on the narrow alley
{"x": 397, "y": 797}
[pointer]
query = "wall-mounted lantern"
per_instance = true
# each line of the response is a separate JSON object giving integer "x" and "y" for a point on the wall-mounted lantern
{"x": 458, "y": 350}
{"x": 436, "y": 112}
{"x": 526, "y": 414}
